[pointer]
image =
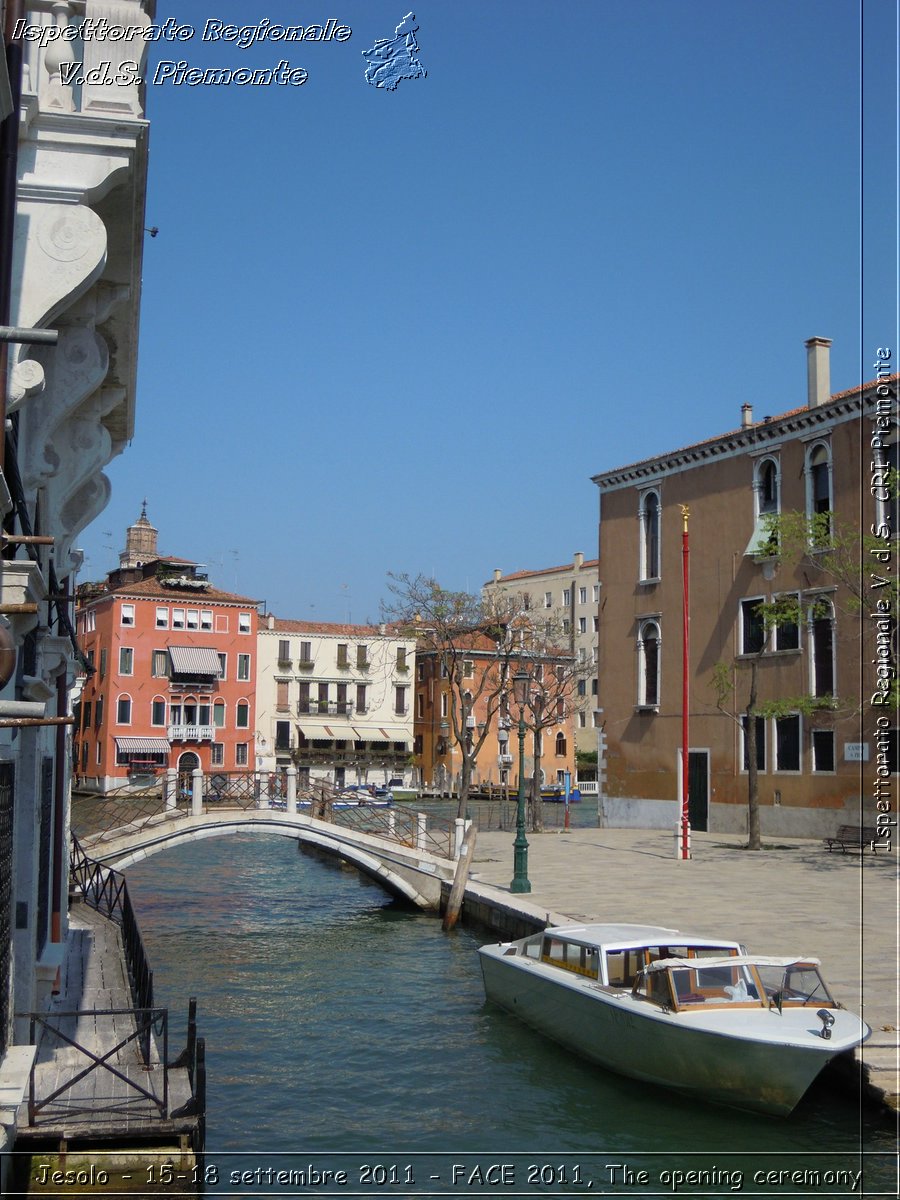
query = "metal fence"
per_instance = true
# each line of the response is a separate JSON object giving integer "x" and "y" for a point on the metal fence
{"x": 130, "y": 810}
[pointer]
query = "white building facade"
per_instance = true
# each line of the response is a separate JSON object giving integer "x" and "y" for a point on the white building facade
{"x": 334, "y": 700}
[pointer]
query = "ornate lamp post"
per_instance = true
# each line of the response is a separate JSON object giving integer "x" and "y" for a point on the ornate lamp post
{"x": 520, "y": 881}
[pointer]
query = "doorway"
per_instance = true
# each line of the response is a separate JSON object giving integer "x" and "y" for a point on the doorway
{"x": 698, "y": 789}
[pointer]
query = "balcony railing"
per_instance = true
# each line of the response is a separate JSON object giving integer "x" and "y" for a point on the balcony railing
{"x": 191, "y": 733}
{"x": 325, "y": 708}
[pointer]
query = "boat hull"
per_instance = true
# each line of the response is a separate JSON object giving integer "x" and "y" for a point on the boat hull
{"x": 626, "y": 1035}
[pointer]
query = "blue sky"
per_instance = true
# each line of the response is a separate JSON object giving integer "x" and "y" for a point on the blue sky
{"x": 399, "y": 331}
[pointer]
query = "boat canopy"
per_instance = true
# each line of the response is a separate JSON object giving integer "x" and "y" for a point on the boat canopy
{"x": 734, "y": 960}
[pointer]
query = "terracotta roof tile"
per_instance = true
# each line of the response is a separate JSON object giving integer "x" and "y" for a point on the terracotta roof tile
{"x": 153, "y": 589}
{"x": 282, "y": 625}
{"x": 588, "y": 562}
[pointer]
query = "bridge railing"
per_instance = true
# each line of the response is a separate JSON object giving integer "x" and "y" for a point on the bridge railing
{"x": 129, "y": 810}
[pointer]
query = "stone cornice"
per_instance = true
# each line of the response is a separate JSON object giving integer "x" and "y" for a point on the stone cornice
{"x": 740, "y": 441}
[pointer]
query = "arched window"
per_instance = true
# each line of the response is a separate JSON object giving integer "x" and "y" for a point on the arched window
{"x": 766, "y": 504}
{"x": 648, "y": 664}
{"x": 158, "y": 710}
{"x": 123, "y": 710}
{"x": 821, "y": 643}
{"x": 219, "y": 714}
{"x": 649, "y": 518}
{"x": 242, "y": 715}
{"x": 560, "y": 745}
{"x": 767, "y": 486}
{"x": 818, "y": 488}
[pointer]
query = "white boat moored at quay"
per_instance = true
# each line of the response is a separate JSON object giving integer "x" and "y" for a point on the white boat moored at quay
{"x": 695, "y": 1014}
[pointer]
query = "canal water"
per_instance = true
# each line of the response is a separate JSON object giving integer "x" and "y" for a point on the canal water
{"x": 347, "y": 1032}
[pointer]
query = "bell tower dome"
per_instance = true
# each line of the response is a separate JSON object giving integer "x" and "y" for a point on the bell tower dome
{"x": 140, "y": 542}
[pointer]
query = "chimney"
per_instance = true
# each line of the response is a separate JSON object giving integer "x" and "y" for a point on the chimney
{"x": 498, "y": 574}
{"x": 818, "y": 372}
{"x": 270, "y": 622}
{"x": 579, "y": 560}
{"x": 746, "y": 416}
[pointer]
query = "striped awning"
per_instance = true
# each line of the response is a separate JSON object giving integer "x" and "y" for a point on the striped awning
{"x": 393, "y": 733}
{"x": 194, "y": 660}
{"x": 137, "y": 745}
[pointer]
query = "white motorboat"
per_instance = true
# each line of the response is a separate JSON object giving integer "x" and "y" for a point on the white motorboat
{"x": 696, "y": 1014}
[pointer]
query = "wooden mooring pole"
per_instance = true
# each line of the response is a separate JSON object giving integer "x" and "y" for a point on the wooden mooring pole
{"x": 458, "y": 890}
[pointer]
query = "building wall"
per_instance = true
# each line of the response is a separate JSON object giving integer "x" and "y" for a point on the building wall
{"x": 568, "y": 598}
{"x": 218, "y": 747}
{"x": 79, "y": 164}
{"x": 312, "y": 711}
{"x": 439, "y": 755}
{"x": 644, "y": 741}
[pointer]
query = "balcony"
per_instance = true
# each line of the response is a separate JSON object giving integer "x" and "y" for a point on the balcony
{"x": 200, "y": 683}
{"x": 325, "y": 708}
{"x": 191, "y": 733}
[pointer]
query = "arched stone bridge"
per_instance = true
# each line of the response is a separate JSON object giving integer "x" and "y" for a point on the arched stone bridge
{"x": 408, "y": 853}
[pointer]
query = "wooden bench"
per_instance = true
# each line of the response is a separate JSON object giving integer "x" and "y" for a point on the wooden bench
{"x": 857, "y": 837}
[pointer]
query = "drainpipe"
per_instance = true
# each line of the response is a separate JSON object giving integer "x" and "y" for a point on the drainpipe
{"x": 9, "y": 151}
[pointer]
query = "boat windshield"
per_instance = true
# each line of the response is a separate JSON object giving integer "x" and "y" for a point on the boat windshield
{"x": 683, "y": 985}
{"x": 795, "y": 985}
{"x": 715, "y": 985}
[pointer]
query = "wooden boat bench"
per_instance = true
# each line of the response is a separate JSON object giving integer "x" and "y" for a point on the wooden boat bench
{"x": 857, "y": 837}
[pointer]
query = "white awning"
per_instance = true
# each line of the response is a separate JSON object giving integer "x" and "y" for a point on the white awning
{"x": 390, "y": 733}
{"x": 195, "y": 660}
{"x": 137, "y": 745}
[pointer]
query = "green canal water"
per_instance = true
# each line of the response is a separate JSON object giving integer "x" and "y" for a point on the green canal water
{"x": 347, "y": 1032}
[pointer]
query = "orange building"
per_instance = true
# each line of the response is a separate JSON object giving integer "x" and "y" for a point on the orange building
{"x": 172, "y": 679}
{"x": 437, "y": 750}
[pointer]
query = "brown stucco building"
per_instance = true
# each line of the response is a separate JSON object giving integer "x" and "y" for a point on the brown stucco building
{"x": 817, "y": 769}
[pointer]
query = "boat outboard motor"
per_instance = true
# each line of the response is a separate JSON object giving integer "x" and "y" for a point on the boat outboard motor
{"x": 827, "y": 1021}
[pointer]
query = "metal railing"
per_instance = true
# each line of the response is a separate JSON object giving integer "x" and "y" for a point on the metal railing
{"x": 151, "y": 1027}
{"x": 128, "y": 812}
{"x": 105, "y": 890}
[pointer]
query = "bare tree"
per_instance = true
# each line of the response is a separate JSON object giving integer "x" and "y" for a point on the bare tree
{"x": 471, "y": 642}
{"x": 552, "y": 679}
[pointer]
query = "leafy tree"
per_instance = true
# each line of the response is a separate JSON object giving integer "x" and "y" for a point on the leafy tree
{"x": 794, "y": 537}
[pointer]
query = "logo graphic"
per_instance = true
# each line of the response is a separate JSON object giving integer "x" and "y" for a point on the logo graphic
{"x": 393, "y": 59}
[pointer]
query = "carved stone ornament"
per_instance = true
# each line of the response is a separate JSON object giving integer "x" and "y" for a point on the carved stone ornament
{"x": 61, "y": 250}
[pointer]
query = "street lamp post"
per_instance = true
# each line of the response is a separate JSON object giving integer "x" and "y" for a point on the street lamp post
{"x": 520, "y": 881}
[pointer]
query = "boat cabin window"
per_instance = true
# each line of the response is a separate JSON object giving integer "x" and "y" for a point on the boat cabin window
{"x": 583, "y": 960}
{"x": 796, "y": 985}
{"x": 654, "y": 986}
{"x": 622, "y": 966}
{"x": 714, "y": 985}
